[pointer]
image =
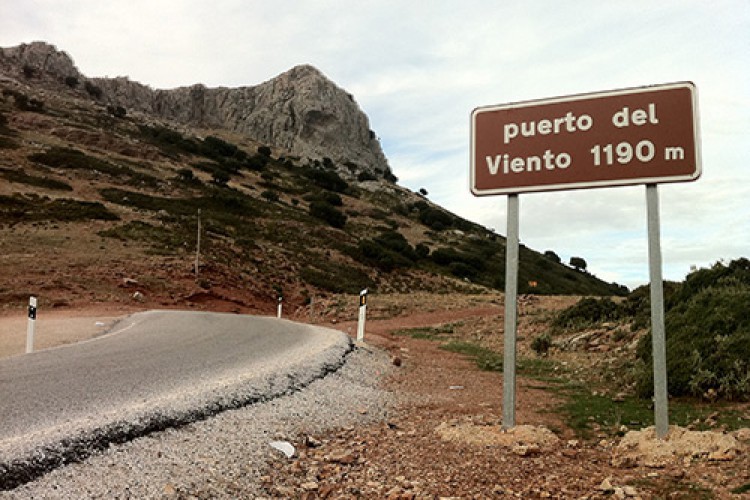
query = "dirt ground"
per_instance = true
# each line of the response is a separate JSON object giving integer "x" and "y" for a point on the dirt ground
{"x": 446, "y": 441}
{"x": 53, "y": 328}
{"x": 445, "y": 438}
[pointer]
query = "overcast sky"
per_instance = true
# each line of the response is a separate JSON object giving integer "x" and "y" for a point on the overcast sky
{"x": 418, "y": 68}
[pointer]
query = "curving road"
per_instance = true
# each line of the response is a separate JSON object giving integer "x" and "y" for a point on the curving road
{"x": 158, "y": 366}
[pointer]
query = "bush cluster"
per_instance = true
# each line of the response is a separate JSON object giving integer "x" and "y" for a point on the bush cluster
{"x": 68, "y": 158}
{"x": 707, "y": 326}
{"x": 93, "y": 90}
{"x": 388, "y": 251}
{"x": 32, "y": 180}
{"x": 325, "y": 179}
{"x": 226, "y": 158}
{"x": 32, "y": 208}
{"x": 24, "y": 102}
{"x": 588, "y": 312}
{"x": 336, "y": 277}
{"x": 325, "y": 211}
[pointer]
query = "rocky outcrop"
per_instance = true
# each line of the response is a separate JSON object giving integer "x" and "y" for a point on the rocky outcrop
{"x": 37, "y": 59}
{"x": 300, "y": 112}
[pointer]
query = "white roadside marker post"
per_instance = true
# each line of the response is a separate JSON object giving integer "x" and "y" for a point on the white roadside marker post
{"x": 278, "y": 308}
{"x": 362, "y": 315}
{"x": 32, "y": 326}
{"x": 198, "y": 245}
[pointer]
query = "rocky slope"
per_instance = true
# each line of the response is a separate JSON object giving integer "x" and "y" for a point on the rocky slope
{"x": 300, "y": 112}
{"x": 102, "y": 182}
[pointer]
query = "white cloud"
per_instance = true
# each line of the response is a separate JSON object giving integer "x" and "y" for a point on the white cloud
{"x": 419, "y": 68}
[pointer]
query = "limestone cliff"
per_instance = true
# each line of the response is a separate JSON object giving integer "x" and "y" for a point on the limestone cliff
{"x": 300, "y": 112}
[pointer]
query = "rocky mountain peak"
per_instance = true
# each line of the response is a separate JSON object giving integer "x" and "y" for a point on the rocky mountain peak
{"x": 300, "y": 112}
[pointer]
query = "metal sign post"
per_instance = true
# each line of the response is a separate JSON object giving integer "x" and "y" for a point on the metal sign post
{"x": 511, "y": 310}
{"x": 362, "y": 315}
{"x": 658, "y": 334}
{"x": 278, "y": 308}
{"x": 31, "y": 326}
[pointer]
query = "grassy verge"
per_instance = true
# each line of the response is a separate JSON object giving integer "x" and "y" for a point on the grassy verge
{"x": 484, "y": 358}
{"x": 589, "y": 413}
{"x": 440, "y": 332}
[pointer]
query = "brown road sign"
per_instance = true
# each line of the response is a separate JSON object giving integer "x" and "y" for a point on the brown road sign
{"x": 643, "y": 135}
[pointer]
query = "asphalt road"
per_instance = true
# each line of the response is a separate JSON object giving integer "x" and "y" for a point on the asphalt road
{"x": 164, "y": 363}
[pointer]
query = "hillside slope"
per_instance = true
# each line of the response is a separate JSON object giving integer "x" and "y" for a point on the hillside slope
{"x": 98, "y": 201}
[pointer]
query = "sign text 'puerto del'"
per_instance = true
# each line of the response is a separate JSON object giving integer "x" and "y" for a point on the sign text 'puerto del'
{"x": 644, "y": 135}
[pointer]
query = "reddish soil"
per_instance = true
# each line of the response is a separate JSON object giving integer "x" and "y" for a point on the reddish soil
{"x": 443, "y": 393}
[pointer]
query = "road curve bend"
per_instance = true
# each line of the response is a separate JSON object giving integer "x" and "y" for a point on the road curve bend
{"x": 154, "y": 370}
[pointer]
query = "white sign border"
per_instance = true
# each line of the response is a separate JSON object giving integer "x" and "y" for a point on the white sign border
{"x": 588, "y": 184}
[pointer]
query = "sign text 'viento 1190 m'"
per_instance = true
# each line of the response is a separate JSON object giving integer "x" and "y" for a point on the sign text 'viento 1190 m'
{"x": 644, "y": 135}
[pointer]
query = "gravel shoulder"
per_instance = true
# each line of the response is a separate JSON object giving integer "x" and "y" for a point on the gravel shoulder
{"x": 225, "y": 456}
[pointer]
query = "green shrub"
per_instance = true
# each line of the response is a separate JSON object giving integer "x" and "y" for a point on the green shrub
{"x": 117, "y": 111}
{"x": 32, "y": 180}
{"x": 220, "y": 178}
{"x": 8, "y": 143}
{"x": 326, "y": 179}
{"x": 67, "y": 158}
{"x": 637, "y": 305}
{"x": 24, "y": 102}
{"x": 381, "y": 256}
{"x": 168, "y": 141}
{"x": 160, "y": 237}
{"x": 216, "y": 148}
{"x": 541, "y": 344}
{"x": 447, "y": 256}
{"x": 435, "y": 218}
{"x": 395, "y": 241}
{"x": 365, "y": 176}
{"x": 31, "y": 208}
{"x": 336, "y": 278}
{"x": 587, "y": 312}
{"x": 707, "y": 325}
{"x": 187, "y": 176}
{"x": 327, "y": 212}
{"x": 552, "y": 256}
{"x": 271, "y": 196}
{"x": 93, "y": 90}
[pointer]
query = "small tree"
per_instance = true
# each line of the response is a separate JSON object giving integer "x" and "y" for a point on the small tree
{"x": 365, "y": 176}
{"x": 71, "y": 81}
{"x": 423, "y": 191}
{"x": 328, "y": 213}
{"x": 220, "y": 178}
{"x": 93, "y": 90}
{"x": 117, "y": 111}
{"x": 270, "y": 195}
{"x": 578, "y": 262}
{"x": 552, "y": 256}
